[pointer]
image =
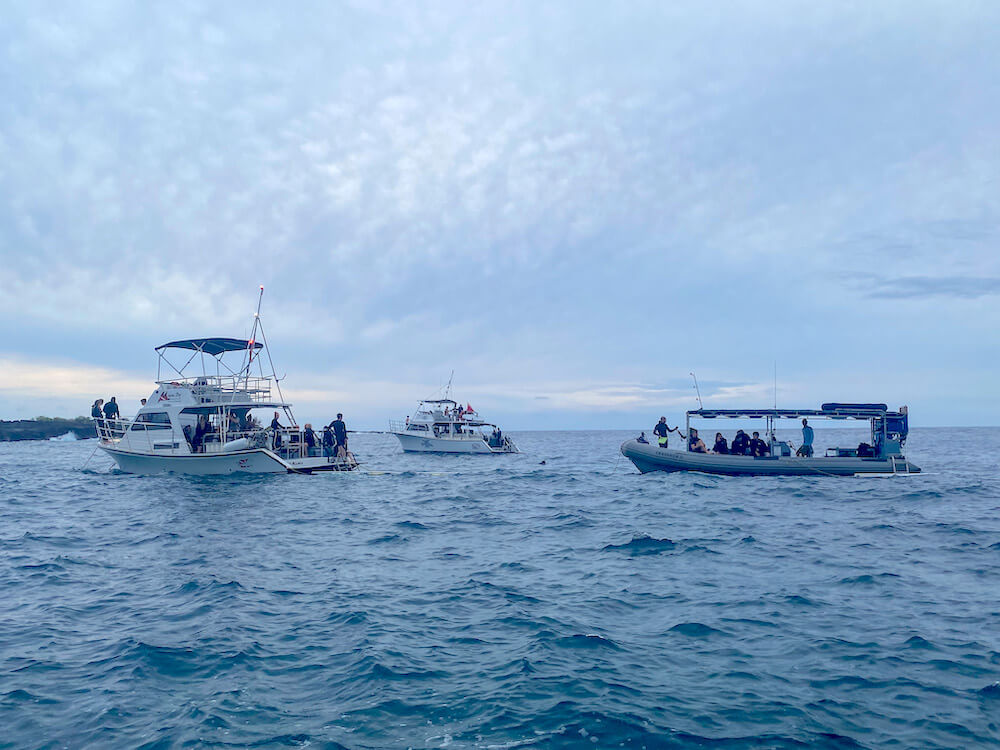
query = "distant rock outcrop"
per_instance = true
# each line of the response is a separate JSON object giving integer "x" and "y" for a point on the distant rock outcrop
{"x": 43, "y": 428}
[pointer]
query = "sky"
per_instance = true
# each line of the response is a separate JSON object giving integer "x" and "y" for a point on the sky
{"x": 571, "y": 205}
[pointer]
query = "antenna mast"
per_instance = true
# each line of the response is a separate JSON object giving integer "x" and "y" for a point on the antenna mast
{"x": 775, "y": 385}
{"x": 697, "y": 390}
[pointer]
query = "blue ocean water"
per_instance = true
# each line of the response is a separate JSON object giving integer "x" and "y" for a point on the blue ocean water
{"x": 495, "y": 602}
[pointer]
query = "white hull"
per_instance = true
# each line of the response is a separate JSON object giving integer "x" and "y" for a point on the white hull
{"x": 423, "y": 444}
{"x": 253, "y": 461}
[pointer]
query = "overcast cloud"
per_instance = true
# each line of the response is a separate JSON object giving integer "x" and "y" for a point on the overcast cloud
{"x": 572, "y": 205}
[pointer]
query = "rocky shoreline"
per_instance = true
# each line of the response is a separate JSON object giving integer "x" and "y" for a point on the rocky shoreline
{"x": 45, "y": 428}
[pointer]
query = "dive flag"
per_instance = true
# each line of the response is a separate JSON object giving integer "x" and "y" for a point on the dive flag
{"x": 468, "y": 406}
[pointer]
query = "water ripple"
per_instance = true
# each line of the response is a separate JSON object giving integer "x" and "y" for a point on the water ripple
{"x": 491, "y": 602}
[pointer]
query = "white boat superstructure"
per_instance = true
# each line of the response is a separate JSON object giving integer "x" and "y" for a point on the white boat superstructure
{"x": 445, "y": 426}
{"x": 206, "y": 423}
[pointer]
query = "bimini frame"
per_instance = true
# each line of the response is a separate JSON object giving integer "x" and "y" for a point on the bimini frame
{"x": 887, "y": 427}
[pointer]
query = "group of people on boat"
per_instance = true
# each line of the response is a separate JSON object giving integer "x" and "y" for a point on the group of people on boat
{"x": 237, "y": 426}
{"x": 101, "y": 410}
{"x": 741, "y": 445}
{"x": 332, "y": 439}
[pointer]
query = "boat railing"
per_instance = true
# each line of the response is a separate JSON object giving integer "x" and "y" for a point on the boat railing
{"x": 287, "y": 442}
{"x": 224, "y": 388}
{"x": 396, "y": 425}
{"x": 111, "y": 430}
{"x": 138, "y": 436}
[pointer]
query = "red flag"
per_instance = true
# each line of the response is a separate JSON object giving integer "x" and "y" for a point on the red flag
{"x": 468, "y": 407}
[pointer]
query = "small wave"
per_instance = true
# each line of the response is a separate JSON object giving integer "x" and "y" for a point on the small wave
{"x": 916, "y": 642}
{"x": 590, "y": 640}
{"x": 388, "y": 539}
{"x": 642, "y": 545}
{"x": 801, "y": 601}
{"x": 348, "y": 618}
{"x": 867, "y": 578}
{"x": 23, "y": 696}
{"x": 990, "y": 691}
{"x": 696, "y": 630}
{"x": 383, "y": 672}
{"x": 416, "y": 525}
{"x": 69, "y": 437}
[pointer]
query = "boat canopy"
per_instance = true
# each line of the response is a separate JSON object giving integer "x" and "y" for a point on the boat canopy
{"x": 213, "y": 346}
{"x": 839, "y": 411}
{"x": 439, "y": 401}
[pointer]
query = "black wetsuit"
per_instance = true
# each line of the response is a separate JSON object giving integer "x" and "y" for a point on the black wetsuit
{"x": 740, "y": 445}
{"x": 758, "y": 447}
{"x": 721, "y": 446}
{"x": 339, "y": 431}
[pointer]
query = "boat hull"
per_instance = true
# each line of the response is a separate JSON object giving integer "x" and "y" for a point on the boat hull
{"x": 648, "y": 457}
{"x": 422, "y": 444}
{"x": 254, "y": 461}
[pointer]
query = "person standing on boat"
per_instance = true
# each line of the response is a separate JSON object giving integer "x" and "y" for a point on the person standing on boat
{"x": 310, "y": 439}
{"x": 340, "y": 433}
{"x": 806, "y": 449}
{"x": 276, "y": 427}
{"x": 661, "y": 431}
{"x": 328, "y": 442}
{"x": 95, "y": 410}
{"x": 111, "y": 409}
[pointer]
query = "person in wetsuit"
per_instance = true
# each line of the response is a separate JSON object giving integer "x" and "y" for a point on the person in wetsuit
{"x": 111, "y": 409}
{"x": 276, "y": 426}
{"x": 741, "y": 444}
{"x": 758, "y": 447}
{"x": 310, "y": 439}
{"x": 721, "y": 446}
{"x": 661, "y": 430}
{"x": 95, "y": 411}
{"x": 340, "y": 434}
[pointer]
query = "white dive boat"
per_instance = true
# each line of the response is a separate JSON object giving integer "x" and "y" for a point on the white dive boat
{"x": 444, "y": 426}
{"x": 884, "y": 455}
{"x": 204, "y": 424}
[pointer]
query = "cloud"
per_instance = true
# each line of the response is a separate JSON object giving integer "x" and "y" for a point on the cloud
{"x": 558, "y": 200}
{"x": 31, "y": 378}
{"x": 922, "y": 287}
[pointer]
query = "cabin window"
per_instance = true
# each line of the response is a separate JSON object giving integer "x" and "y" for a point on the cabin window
{"x": 154, "y": 417}
{"x": 157, "y": 420}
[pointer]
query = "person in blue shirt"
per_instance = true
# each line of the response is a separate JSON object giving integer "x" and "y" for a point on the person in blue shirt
{"x": 806, "y": 449}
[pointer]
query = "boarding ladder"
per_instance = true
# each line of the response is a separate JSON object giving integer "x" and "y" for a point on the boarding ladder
{"x": 896, "y": 468}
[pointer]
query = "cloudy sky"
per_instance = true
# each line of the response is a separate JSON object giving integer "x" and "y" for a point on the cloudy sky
{"x": 571, "y": 204}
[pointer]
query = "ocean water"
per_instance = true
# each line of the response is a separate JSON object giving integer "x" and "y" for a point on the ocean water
{"x": 496, "y": 602}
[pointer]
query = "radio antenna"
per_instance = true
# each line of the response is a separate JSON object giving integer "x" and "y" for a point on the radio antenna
{"x": 775, "y": 385}
{"x": 697, "y": 390}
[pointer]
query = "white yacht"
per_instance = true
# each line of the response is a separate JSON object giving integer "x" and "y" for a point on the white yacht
{"x": 445, "y": 426}
{"x": 218, "y": 421}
